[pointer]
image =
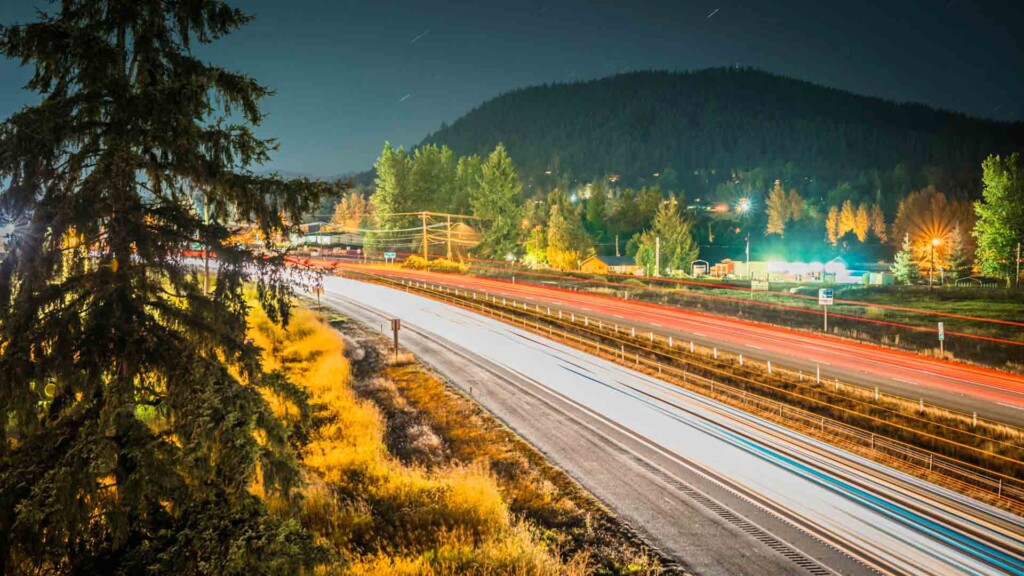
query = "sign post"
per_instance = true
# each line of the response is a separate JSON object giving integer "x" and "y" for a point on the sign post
{"x": 391, "y": 256}
{"x": 825, "y": 298}
{"x": 396, "y": 325}
{"x": 942, "y": 337}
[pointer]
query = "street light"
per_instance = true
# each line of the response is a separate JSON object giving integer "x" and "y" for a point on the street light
{"x": 743, "y": 206}
{"x": 931, "y": 267}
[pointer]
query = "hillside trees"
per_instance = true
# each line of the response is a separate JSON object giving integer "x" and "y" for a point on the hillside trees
{"x": 134, "y": 421}
{"x": 1000, "y": 225}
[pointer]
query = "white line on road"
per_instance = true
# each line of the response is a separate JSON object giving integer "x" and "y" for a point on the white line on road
{"x": 699, "y": 334}
{"x": 1010, "y": 406}
{"x": 754, "y": 347}
{"x": 905, "y": 381}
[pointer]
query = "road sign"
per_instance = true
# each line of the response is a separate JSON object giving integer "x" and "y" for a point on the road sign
{"x": 396, "y": 325}
{"x": 942, "y": 332}
{"x": 825, "y": 296}
{"x": 391, "y": 255}
{"x": 759, "y": 285}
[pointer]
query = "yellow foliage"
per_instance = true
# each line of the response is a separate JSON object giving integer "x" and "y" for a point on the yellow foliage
{"x": 361, "y": 502}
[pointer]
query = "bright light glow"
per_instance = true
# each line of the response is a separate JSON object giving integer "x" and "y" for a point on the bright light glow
{"x": 744, "y": 205}
{"x": 936, "y": 241}
{"x": 816, "y": 267}
{"x": 834, "y": 267}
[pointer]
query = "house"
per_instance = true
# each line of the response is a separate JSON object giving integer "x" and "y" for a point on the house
{"x": 611, "y": 265}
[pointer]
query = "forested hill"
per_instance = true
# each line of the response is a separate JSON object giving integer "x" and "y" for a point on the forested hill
{"x": 708, "y": 125}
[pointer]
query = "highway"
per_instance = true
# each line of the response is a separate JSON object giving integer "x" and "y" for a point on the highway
{"x": 719, "y": 490}
{"x": 992, "y": 394}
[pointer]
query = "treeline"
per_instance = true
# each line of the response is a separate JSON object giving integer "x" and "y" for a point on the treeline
{"x": 543, "y": 227}
{"x": 559, "y": 227}
{"x": 729, "y": 132}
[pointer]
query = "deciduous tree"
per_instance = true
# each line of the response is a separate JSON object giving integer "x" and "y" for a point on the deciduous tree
{"x": 862, "y": 222}
{"x": 1000, "y": 225}
{"x": 878, "y": 223}
{"x": 832, "y": 226}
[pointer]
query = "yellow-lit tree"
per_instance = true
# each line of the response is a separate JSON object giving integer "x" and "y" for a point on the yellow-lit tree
{"x": 832, "y": 226}
{"x": 778, "y": 208}
{"x": 862, "y": 222}
{"x": 847, "y": 219}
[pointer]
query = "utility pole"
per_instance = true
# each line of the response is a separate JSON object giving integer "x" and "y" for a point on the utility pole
{"x": 617, "y": 247}
{"x": 423, "y": 216}
{"x": 449, "y": 236}
{"x": 749, "y": 275}
{"x": 657, "y": 256}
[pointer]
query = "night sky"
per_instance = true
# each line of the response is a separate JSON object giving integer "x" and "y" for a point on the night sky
{"x": 350, "y": 75}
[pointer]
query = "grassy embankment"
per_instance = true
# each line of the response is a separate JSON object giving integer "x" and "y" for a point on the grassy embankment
{"x": 375, "y": 513}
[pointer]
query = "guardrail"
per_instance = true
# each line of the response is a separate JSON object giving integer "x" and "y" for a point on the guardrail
{"x": 1001, "y": 489}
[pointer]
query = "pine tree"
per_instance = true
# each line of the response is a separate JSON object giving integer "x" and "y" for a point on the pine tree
{"x": 432, "y": 178}
{"x": 778, "y": 209}
{"x": 674, "y": 235}
{"x": 1000, "y": 225}
{"x": 497, "y": 203}
{"x": 958, "y": 261}
{"x": 832, "y": 226}
{"x": 102, "y": 321}
{"x": 904, "y": 266}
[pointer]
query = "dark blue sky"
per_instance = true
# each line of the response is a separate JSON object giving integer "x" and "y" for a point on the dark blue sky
{"x": 351, "y": 74}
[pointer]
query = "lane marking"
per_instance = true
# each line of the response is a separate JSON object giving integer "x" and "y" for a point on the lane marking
{"x": 754, "y": 347}
{"x": 1010, "y": 406}
{"x": 906, "y": 381}
{"x": 699, "y": 334}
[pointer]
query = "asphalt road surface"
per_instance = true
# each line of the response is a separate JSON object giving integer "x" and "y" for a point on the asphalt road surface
{"x": 992, "y": 394}
{"x": 719, "y": 490}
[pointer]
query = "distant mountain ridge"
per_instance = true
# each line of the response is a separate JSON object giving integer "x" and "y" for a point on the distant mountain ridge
{"x": 707, "y": 125}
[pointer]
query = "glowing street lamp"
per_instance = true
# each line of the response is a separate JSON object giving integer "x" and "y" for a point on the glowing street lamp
{"x": 744, "y": 205}
{"x": 931, "y": 267}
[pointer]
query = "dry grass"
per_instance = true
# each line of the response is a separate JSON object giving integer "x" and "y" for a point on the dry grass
{"x": 374, "y": 513}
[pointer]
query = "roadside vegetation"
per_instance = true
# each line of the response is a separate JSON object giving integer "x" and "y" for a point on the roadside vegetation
{"x": 455, "y": 497}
